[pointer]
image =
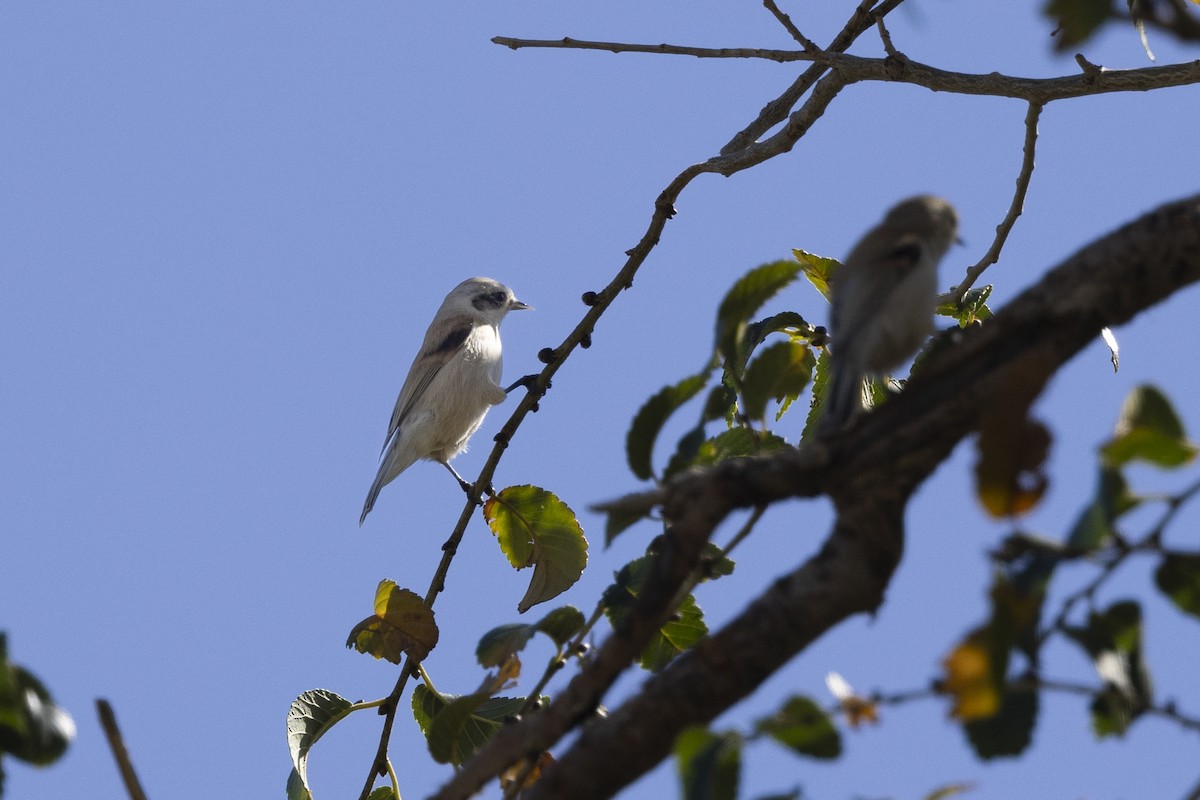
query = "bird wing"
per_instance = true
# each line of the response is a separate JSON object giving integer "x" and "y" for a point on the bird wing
{"x": 442, "y": 343}
{"x": 900, "y": 261}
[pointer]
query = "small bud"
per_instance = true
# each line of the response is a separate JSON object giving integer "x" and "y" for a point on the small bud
{"x": 546, "y": 355}
{"x": 589, "y": 298}
{"x": 586, "y": 341}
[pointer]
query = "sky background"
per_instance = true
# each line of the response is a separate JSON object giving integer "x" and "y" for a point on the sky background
{"x": 224, "y": 227}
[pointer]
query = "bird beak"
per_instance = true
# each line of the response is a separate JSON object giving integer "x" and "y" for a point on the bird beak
{"x": 517, "y": 305}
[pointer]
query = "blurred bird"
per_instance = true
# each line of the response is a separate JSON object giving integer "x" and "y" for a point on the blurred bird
{"x": 884, "y": 296}
{"x": 451, "y": 384}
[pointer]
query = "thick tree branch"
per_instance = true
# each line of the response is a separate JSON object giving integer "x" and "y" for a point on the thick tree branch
{"x": 869, "y": 470}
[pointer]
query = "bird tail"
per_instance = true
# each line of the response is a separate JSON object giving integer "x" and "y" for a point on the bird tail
{"x": 395, "y": 461}
{"x": 843, "y": 400}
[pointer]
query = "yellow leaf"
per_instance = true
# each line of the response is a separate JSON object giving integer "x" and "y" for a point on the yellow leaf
{"x": 969, "y": 679}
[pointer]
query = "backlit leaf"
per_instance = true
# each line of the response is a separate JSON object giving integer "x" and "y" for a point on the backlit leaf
{"x": 681, "y": 632}
{"x": 535, "y": 528}
{"x": 402, "y": 625}
{"x": 310, "y": 716}
{"x": 1148, "y": 429}
{"x": 650, "y": 418}
{"x": 742, "y": 301}
{"x": 455, "y": 727}
{"x": 779, "y": 372}
{"x": 1009, "y": 731}
{"x": 818, "y": 269}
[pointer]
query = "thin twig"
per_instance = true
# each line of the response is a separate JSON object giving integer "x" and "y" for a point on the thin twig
{"x": 1015, "y": 208}
{"x": 108, "y": 721}
{"x": 791, "y": 28}
{"x": 886, "y": 38}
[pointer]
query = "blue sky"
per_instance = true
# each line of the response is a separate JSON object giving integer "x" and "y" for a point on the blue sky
{"x": 225, "y": 226}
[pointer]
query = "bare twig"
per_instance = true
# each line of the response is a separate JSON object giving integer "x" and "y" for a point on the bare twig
{"x": 108, "y": 721}
{"x": 1032, "y": 115}
{"x": 791, "y": 28}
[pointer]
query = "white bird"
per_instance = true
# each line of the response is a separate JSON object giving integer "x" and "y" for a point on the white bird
{"x": 451, "y": 384}
{"x": 884, "y": 296}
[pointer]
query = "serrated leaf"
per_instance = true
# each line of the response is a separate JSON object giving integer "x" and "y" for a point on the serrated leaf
{"x": 499, "y": 643}
{"x": 681, "y": 632}
{"x": 1148, "y": 429}
{"x": 735, "y": 443}
{"x": 818, "y": 270}
{"x": 402, "y": 625}
{"x": 742, "y": 301}
{"x": 804, "y": 728}
{"x": 562, "y": 624}
{"x": 780, "y": 372}
{"x": 650, "y": 418}
{"x": 310, "y": 716}
{"x": 709, "y": 764}
{"x": 1178, "y": 577}
{"x": 1009, "y": 731}
{"x": 535, "y": 528}
{"x": 455, "y": 727}
{"x": 821, "y": 376}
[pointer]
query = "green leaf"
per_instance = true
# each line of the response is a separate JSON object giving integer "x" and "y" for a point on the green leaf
{"x": 715, "y": 562}
{"x": 681, "y": 632}
{"x": 709, "y": 764}
{"x": 650, "y": 418}
{"x": 402, "y": 625}
{"x": 455, "y": 727}
{"x": 1077, "y": 20}
{"x": 818, "y": 270}
{"x": 1178, "y": 577}
{"x": 382, "y": 793}
{"x": 500, "y": 642}
{"x": 743, "y": 300}
{"x": 780, "y": 372}
{"x": 310, "y": 716}
{"x": 32, "y": 727}
{"x": 562, "y": 624}
{"x": 1094, "y": 528}
{"x": 1009, "y": 731}
{"x": 1148, "y": 429}
{"x": 296, "y": 790}
{"x": 735, "y": 443}
{"x": 788, "y": 322}
{"x": 821, "y": 376}
{"x": 535, "y": 528}
{"x": 973, "y": 307}
{"x": 804, "y": 728}
{"x": 678, "y": 634}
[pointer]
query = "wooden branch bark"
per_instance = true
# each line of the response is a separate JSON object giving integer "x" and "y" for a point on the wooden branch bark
{"x": 869, "y": 471}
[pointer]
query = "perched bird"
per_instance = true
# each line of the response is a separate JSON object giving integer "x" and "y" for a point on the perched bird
{"x": 884, "y": 296}
{"x": 451, "y": 384}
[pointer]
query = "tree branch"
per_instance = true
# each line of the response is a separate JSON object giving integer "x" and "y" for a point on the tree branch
{"x": 869, "y": 470}
{"x": 1014, "y": 210}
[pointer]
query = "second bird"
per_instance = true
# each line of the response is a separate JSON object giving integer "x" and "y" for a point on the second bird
{"x": 884, "y": 296}
{"x": 451, "y": 384}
